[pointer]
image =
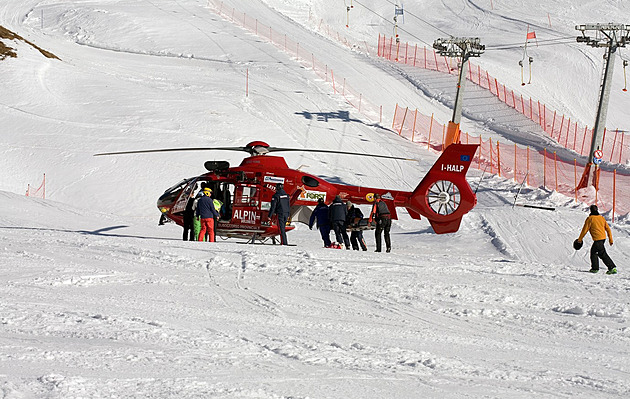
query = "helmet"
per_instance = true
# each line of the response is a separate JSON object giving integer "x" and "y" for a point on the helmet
{"x": 577, "y": 244}
{"x": 207, "y": 191}
{"x": 349, "y": 204}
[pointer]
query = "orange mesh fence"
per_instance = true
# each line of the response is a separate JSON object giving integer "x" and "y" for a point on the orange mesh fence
{"x": 40, "y": 192}
{"x": 567, "y": 133}
{"x": 305, "y": 57}
{"x": 535, "y": 168}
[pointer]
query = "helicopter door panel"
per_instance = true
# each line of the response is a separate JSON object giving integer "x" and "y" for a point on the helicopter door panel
{"x": 246, "y": 205}
{"x": 187, "y": 192}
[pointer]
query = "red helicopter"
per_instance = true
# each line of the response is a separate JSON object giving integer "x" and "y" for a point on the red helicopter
{"x": 443, "y": 196}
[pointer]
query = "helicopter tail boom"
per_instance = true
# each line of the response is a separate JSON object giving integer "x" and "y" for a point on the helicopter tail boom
{"x": 444, "y": 196}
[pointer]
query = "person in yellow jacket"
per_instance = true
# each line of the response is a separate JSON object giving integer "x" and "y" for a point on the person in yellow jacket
{"x": 598, "y": 227}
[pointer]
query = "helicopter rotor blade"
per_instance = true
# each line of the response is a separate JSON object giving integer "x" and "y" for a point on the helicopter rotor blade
{"x": 276, "y": 149}
{"x": 174, "y": 150}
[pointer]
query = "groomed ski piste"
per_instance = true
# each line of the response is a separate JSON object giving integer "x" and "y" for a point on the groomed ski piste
{"x": 97, "y": 301}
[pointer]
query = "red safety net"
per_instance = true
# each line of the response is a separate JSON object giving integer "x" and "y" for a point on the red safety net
{"x": 536, "y": 168}
{"x": 40, "y": 192}
{"x": 304, "y": 56}
{"x": 567, "y": 133}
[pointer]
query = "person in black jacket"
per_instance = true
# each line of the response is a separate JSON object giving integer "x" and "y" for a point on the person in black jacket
{"x": 337, "y": 214}
{"x": 281, "y": 206}
{"x": 380, "y": 213}
{"x": 320, "y": 213}
{"x": 356, "y": 236}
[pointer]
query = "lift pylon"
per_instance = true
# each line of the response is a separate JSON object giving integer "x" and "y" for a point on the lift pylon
{"x": 462, "y": 48}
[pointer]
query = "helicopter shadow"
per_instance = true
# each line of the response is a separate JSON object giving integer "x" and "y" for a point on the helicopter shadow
{"x": 326, "y": 116}
{"x": 100, "y": 232}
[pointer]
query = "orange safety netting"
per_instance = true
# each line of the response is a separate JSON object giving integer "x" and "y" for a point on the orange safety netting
{"x": 535, "y": 168}
{"x": 304, "y": 57}
{"x": 567, "y": 133}
{"x": 40, "y": 192}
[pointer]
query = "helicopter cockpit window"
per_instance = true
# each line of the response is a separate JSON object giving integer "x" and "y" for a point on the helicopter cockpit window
{"x": 172, "y": 193}
{"x": 309, "y": 181}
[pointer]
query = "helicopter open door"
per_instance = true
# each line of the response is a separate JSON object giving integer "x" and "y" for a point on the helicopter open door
{"x": 246, "y": 205}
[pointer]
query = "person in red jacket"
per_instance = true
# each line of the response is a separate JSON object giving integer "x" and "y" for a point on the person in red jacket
{"x": 598, "y": 227}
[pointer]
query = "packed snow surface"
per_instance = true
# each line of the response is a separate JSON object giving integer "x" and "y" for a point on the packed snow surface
{"x": 97, "y": 301}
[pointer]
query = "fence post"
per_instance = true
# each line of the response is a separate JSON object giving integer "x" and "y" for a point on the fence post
{"x": 443, "y": 136}
{"x": 498, "y": 158}
{"x": 553, "y": 124}
{"x": 621, "y": 148}
{"x": 566, "y": 139}
{"x": 614, "y": 142}
{"x": 491, "y": 160}
{"x": 528, "y": 165}
{"x": 555, "y": 167}
{"x": 575, "y": 178}
{"x": 515, "y": 162}
{"x": 332, "y": 76}
{"x": 406, "y": 51}
{"x": 523, "y": 105}
{"x": 430, "y": 129}
{"x": 425, "y": 57}
{"x": 413, "y": 130}
{"x": 545, "y": 169}
{"x": 415, "y": 53}
{"x": 437, "y": 67}
{"x": 395, "y": 112}
{"x": 478, "y": 75}
{"x": 479, "y": 155}
{"x": 614, "y": 193}
{"x": 575, "y": 136}
{"x": 584, "y": 140}
{"x": 403, "y": 122}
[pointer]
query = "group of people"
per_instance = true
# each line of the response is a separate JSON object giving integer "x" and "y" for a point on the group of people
{"x": 201, "y": 215}
{"x": 339, "y": 216}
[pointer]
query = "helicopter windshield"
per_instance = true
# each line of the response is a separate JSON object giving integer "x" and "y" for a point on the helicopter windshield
{"x": 171, "y": 194}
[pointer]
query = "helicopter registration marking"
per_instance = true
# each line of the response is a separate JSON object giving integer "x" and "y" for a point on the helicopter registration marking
{"x": 452, "y": 168}
{"x": 245, "y": 216}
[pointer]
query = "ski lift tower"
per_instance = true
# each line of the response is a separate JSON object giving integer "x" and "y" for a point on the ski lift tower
{"x": 610, "y": 36}
{"x": 463, "y": 48}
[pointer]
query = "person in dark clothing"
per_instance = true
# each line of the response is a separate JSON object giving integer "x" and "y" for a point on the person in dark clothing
{"x": 281, "y": 206}
{"x": 320, "y": 213}
{"x": 337, "y": 214}
{"x": 598, "y": 227}
{"x": 356, "y": 236}
{"x": 381, "y": 215}
{"x": 189, "y": 218}
{"x": 207, "y": 212}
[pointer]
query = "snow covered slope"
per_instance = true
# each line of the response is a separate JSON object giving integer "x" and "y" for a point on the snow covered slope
{"x": 96, "y": 300}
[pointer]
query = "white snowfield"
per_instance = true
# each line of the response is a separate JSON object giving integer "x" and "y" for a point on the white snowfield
{"x": 97, "y": 301}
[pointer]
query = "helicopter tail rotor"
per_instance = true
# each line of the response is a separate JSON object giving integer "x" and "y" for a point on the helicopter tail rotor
{"x": 444, "y": 196}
